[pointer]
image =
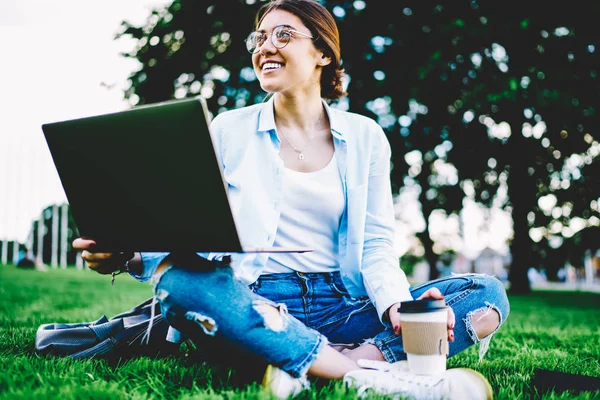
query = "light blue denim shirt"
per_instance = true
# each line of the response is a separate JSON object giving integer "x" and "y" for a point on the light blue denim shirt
{"x": 247, "y": 147}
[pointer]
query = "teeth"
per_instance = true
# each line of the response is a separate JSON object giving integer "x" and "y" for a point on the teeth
{"x": 271, "y": 65}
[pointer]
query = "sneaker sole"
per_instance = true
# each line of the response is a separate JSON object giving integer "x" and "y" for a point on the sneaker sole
{"x": 268, "y": 377}
{"x": 280, "y": 384}
{"x": 489, "y": 395}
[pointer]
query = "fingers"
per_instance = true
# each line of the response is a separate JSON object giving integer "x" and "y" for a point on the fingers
{"x": 397, "y": 328}
{"x": 451, "y": 322}
{"x": 83, "y": 244}
{"x": 433, "y": 293}
{"x": 103, "y": 263}
{"x": 394, "y": 315}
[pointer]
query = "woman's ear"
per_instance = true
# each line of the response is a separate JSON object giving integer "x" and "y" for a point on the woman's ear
{"x": 324, "y": 60}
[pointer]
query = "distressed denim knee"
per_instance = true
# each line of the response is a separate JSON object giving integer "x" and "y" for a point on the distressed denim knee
{"x": 470, "y": 296}
{"x": 214, "y": 303}
{"x": 493, "y": 291}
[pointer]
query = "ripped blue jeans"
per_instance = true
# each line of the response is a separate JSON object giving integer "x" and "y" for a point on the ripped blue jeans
{"x": 229, "y": 324}
{"x": 321, "y": 302}
{"x": 286, "y": 319}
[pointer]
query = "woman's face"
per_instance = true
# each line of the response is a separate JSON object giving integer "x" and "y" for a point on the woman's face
{"x": 294, "y": 68}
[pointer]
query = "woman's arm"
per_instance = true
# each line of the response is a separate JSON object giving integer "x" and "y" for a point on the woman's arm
{"x": 384, "y": 280}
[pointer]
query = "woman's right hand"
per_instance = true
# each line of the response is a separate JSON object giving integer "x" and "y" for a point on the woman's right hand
{"x": 103, "y": 263}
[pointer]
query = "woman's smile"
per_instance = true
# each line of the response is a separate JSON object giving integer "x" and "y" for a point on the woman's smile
{"x": 271, "y": 66}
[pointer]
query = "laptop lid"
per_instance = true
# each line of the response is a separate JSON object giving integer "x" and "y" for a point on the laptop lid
{"x": 145, "y": 179}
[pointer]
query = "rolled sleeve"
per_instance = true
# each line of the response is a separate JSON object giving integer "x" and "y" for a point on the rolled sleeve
{"x": 386, "y": 285}
{"x": 150, "y": 261}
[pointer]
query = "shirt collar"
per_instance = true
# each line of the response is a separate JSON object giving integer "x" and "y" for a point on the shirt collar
{"x": 266, "y": 119}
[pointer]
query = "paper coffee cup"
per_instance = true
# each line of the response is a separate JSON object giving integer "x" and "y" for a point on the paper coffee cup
{"x": 424, "y": 326}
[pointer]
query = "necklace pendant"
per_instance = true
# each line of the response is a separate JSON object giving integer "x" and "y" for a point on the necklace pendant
{"x": 300, "y": 156}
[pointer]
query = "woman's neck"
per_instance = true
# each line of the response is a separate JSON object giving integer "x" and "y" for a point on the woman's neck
{"x": 299, "y": 113}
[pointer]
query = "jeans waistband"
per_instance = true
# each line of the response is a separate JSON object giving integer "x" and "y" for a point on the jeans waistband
{"x": 327, "y": 276}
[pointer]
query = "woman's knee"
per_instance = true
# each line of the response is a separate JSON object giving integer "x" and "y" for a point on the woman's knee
{"x": 485, "y": 321}
{"x": 499, "y": 298}
{"x": 488, "y": 319}
{"x": 192, "y": 296}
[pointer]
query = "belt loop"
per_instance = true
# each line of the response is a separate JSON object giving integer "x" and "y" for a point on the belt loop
{"x": 329, "y": 277}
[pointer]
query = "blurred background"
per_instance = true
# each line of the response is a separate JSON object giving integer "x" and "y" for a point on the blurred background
{"x": 491, "y": 109}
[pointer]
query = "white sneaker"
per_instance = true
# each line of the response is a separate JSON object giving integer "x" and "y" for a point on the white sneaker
{"x": 453, "y": 384}
{"x": 383, "y": 365}
{"x": 283, "y": 385}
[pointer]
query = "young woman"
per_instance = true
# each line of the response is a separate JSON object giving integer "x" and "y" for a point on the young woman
{"x": 302, "y": 173}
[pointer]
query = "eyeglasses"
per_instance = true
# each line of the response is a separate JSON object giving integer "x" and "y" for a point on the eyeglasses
{"x": 280, "y": 37}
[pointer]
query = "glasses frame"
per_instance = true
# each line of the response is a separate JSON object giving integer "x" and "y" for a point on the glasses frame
{"x": 271, "y": 35}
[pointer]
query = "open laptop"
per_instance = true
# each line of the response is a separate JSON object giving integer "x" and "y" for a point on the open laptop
{"x": 147, "y": 179}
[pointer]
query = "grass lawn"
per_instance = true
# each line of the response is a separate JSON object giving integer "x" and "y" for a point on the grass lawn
{"x": 551, "y": 330}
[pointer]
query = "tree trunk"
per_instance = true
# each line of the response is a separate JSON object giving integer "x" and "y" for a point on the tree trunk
{"x": 521, "y": 256}
{"x": 430, "y": 256}
{"x": 522, "y": 194}
{"x": 425, "y": 236}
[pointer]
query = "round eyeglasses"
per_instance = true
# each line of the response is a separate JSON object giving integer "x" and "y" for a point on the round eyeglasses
{"x": 280, "y": 37}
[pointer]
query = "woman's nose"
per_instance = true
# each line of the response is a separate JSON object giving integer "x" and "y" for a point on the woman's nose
{"x": 267, "y": 47}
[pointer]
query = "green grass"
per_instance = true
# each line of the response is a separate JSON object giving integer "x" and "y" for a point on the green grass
{"x": 551, "y": 330}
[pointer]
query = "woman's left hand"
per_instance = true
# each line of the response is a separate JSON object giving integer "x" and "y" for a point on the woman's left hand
{"x": 433, "y": 293}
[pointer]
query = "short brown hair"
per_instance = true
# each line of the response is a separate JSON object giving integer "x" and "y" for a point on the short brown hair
{"x": 322, "y": 25}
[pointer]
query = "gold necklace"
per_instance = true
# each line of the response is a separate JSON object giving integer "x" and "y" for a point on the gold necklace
{"x": 300, "y": 151}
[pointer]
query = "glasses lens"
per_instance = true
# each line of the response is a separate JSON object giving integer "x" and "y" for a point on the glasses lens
{"x": 281, "y": 36}
{"x": 251, "y": 42}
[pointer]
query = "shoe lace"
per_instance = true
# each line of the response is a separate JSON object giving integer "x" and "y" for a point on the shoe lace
{"x": 304, "y": 382}
{"x": 408, "y": 385}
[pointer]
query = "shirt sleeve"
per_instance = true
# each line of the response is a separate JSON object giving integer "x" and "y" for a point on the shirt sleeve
{"x": 384, "y": 280}
{"x": 150, "y": 261}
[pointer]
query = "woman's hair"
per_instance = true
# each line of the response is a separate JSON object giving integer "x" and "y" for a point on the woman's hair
{"x": 321, "y": 24}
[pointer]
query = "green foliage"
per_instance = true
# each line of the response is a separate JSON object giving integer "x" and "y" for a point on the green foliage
{"x": 408, "y": 262}
{"x": 557, "y": 331}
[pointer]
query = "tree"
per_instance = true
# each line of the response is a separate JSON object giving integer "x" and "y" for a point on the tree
{"x": 194, "y": 47}
{"x": 533, "y": 74}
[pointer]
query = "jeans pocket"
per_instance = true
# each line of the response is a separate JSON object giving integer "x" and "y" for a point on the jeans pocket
{"x": 338, "y": 288}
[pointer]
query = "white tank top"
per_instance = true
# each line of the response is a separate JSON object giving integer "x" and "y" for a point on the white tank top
{"x": 311, "y": 210}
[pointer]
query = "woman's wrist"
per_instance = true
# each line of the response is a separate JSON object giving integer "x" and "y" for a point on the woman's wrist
{"x": 135, "y": 265}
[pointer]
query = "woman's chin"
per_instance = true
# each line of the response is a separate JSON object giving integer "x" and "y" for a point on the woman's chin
{"x": 269, "y": 88}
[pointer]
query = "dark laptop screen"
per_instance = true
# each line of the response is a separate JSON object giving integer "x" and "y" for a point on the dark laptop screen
{"x": 145, "y": 179}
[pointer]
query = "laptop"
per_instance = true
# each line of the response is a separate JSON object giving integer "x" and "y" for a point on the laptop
{"x": 147, "y": 179}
